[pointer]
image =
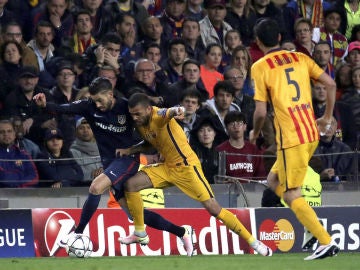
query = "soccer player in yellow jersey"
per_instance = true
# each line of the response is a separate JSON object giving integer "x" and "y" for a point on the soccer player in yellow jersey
{"x": 181, "y": 168}
{"x": 282, "y": 78}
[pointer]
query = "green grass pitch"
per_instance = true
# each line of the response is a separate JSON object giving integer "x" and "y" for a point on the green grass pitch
{"x": 290, "y": 261}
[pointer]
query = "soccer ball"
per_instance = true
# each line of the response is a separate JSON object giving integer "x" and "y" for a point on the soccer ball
{"x": 79, "y": 246}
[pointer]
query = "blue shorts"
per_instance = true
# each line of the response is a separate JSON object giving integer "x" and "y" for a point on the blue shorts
{"x": 119, "y": 171}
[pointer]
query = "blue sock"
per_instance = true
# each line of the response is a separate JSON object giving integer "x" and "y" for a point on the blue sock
{"x": 156, "y": 221}
{"x": 88, "y": 210}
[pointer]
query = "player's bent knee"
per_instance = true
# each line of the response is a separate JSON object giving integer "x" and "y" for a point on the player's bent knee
{"x": 138, "y": 182}
{"x": 94, "y": 190}
{"x": 98, "y": 188}
{"x": 100, "y": 184}
{"x": 213, "y": 207}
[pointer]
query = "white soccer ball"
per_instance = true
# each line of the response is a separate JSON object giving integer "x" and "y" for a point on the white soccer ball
{"x": 79, "y": 246}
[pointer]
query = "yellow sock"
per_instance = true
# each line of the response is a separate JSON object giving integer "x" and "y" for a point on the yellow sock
{"x": 230, "y": 220}
{"x": 307, "y": 217}
{"x": 136, "y": 208}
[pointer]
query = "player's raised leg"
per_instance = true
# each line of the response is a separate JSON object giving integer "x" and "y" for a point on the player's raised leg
{"x": 98, "y": 186}
{"x": 234, "y": 224}
{"x": 156, "y": 221}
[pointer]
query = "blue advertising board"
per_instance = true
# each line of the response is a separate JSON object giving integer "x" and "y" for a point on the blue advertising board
{"x": 16, "y": 234}
{"x": 280, "y": 230}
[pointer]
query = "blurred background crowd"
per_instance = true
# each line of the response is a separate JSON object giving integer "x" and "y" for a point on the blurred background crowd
{"x": 193, "y": 53}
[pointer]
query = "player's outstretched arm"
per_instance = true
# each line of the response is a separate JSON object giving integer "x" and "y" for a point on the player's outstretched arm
{"x": 258, "y": 119}
{"x": 324, "y": 122}
{"x": 177, "y": 112}
{"x": 138, "y": 148}
{"x": 40, "y": 100}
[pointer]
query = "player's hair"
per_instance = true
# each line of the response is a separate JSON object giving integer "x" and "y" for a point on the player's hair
{"x": 139, "y": 99}
{"x": 226, "y": 86}
{"x": 99, "y": 84}
{"x": 267, "y": 31}
{"x": 234, "y": 116}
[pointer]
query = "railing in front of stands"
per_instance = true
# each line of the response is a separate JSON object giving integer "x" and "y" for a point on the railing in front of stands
{"x": 350, "y": 177}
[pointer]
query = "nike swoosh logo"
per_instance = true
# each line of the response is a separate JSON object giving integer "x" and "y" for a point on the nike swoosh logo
{"x": 111, "y": 172}
{"x": 97, "y": 115}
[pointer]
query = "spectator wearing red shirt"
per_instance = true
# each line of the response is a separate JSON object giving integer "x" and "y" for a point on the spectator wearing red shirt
{"x": 243, "y": 159}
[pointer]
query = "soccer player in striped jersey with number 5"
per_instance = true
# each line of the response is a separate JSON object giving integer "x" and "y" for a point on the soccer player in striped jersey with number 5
{"x": 282, "y": 78}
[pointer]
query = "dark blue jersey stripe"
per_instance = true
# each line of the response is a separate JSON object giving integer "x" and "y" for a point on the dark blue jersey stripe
{"x": 203, "y": 181}
{"x": 176, "y": 145}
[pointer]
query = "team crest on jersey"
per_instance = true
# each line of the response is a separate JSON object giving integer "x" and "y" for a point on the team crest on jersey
{"x": 122, "y": 119}
{"x": 162, "y": 112}
{"x": 18, "y": 163}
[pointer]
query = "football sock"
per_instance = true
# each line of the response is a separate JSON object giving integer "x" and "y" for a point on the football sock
{"x": 136, "y": 208}
{"x": 156, "y": 221}
{"x": 307, "y": 217}
{"x": 230, "y": 220}
{"x": 88, "y": 210}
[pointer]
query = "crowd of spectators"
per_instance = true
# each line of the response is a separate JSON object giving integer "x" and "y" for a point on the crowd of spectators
{"x": 193, "y": 53}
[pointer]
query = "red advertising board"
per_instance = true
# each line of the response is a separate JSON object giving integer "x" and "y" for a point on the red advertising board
{"x": 107, "y": 225}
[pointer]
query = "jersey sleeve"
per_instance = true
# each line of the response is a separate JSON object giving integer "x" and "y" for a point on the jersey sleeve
{"x": 161, "y": 116}
{"x": 314, "y": 70}
{"x": 79, "y": 107}
{"x": 258, "y": 82}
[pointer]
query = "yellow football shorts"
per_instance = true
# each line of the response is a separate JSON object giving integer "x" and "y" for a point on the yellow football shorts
{"x": 291, "y": 164}
{"x": 189, "y": 179}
